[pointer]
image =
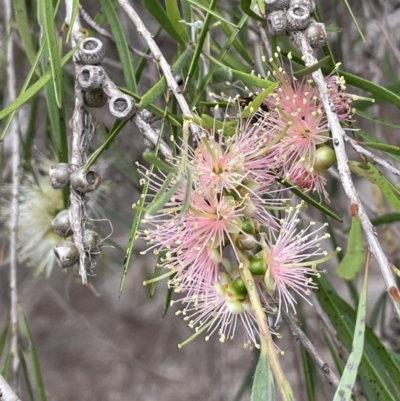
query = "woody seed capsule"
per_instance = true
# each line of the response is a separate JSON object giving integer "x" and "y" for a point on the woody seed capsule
{"x": 297, "y": 18}
{"x": 276, "y": 4}
{"x": 59, "y": 175}
{"x": 95, "y": 97}
{"x": 276, "y": 22}
{"x": 84, "y": 182}
{"x": 122, "y": 106}
{"x": 91, "y": 76}
{"x": 91, "y": 51}
{"x": 66, "y": 254}
{"x": 61, "y": 224}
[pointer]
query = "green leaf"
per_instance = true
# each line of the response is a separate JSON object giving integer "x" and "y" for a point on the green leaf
{"x": 354, "y": 20}
{"x": 175, "y": 18}
{"x": 220, "y": 56}
{"x": 254, "y": 105}
{"x": 237, "y": 44}
{"x": 158, "y": 12}
{"x": 21, "y": 17}
{"x": 33, "y": 356}
{"x": 25, "y": 370}
{"x": 386, "y": 219}
{"x": 354, "y": 259}
{"x": 153, "y": 159}
{"x": 375, "y": 89}
{"x": 394, "y": 150}
{"x": 247, "y": 79}
{"x": 24, "y": 86}
{"x": 376, "y": 119}
{"x": 135, "y": 224}
{"x": 372, "y": 174}
{"x": 263, "y": 384}
{"x": 75, "y": 8}
{"x": 371, "y": 139}
{"x": 310, "y": 200}
{"x": 50, "y": 32}
{"x": 162, "y": 198}
{"x": 32, "y": 90}
{"x": 3, "y": 335}
{"x": 122, "y": 45}
{"x": 378, "y": 372}
{"x": 210, "y": 12}
{"x": 116, "y": 129}
{"x": 246, "y": 5}
{"x": 159, "y": 88}
{"x": 200, "y": 42}
{"x": 312, "y": 68}
{"x": 349, "y": 376}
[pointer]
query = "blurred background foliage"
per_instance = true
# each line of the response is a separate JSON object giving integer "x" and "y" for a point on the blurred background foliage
{"x": 90, "y": 343}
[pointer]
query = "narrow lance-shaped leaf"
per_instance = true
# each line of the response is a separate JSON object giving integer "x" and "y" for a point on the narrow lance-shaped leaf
{"x": 245, "y": 5}
{"x": 376, "y": 119}
{"x": 21, "y": 17}
{"x": 122, "y": 45}
{"x": 372, "y": 174}
{"x": 33, "y": 89}
{"x": 353, "y": 261}
{"x": 256, "y": 102}
{"x": 49, "y": 28}
{"x": 33, "y": 357}
{"x": 377, "y": 143}
{"x": 158, "y": 12}
{"x": 348, "y": 379}
{"x": 263, "y": 385}
{"x": 176, "y": 19}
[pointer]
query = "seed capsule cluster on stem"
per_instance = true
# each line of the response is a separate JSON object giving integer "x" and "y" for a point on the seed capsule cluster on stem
{"x": 286, "y": 16}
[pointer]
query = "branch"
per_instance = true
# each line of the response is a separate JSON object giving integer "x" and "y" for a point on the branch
{"x": 371, "y": 155}
{"x": 77, "y": 209}
{"x": 103, "y": 32}
{"x": 338, "y": 136}
{"x": 309, "y": 346}
{"x": 16, "y": 161}
{"x": 149, "y": 132}
{"x": 159, "y": 57}
{"x": 6, "y": 392}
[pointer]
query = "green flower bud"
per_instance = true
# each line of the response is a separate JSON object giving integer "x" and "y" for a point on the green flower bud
{"x": 238, "y": 288}
{"x": 258, "y": 266}
{"x": 324, "y": 158}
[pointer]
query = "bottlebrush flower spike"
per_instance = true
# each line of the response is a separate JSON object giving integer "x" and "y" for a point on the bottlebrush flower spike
{"x": 219, "y": 307}
{"x": 286, "y": 259}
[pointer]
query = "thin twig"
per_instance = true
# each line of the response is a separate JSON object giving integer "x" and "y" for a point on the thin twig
{"x": 338, "y": 136}
{"x": 103, "y": 32}
{"x": 358, "y": 148}
{"x": 291, "y": 319}
{"x": 16, "y": 161}
{"x": 159, "y": 57}
{"x": 267, "y": 345}
{"x": 149, "y": 132}
{"x": 6, "y": 392}
{"x": 77, "y": 209}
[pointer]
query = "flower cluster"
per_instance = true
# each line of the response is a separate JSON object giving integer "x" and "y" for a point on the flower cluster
{"x": 226, "y": 210}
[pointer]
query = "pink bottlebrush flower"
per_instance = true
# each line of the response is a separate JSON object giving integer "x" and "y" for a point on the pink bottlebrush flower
{"x": 219, "y": 308}
{"x": 308, "y": 180}
{"x": 223, "y": 163}
{"x": 285, "y": 260}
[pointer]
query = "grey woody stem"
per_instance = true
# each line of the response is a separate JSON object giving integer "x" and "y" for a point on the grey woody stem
{"x": 159, "y": 57}
{"x": 16, "y": 162}
{"x": 338, "y": 137}
{"x": 6, "y": 392}
{"x": 297, "y": 332}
